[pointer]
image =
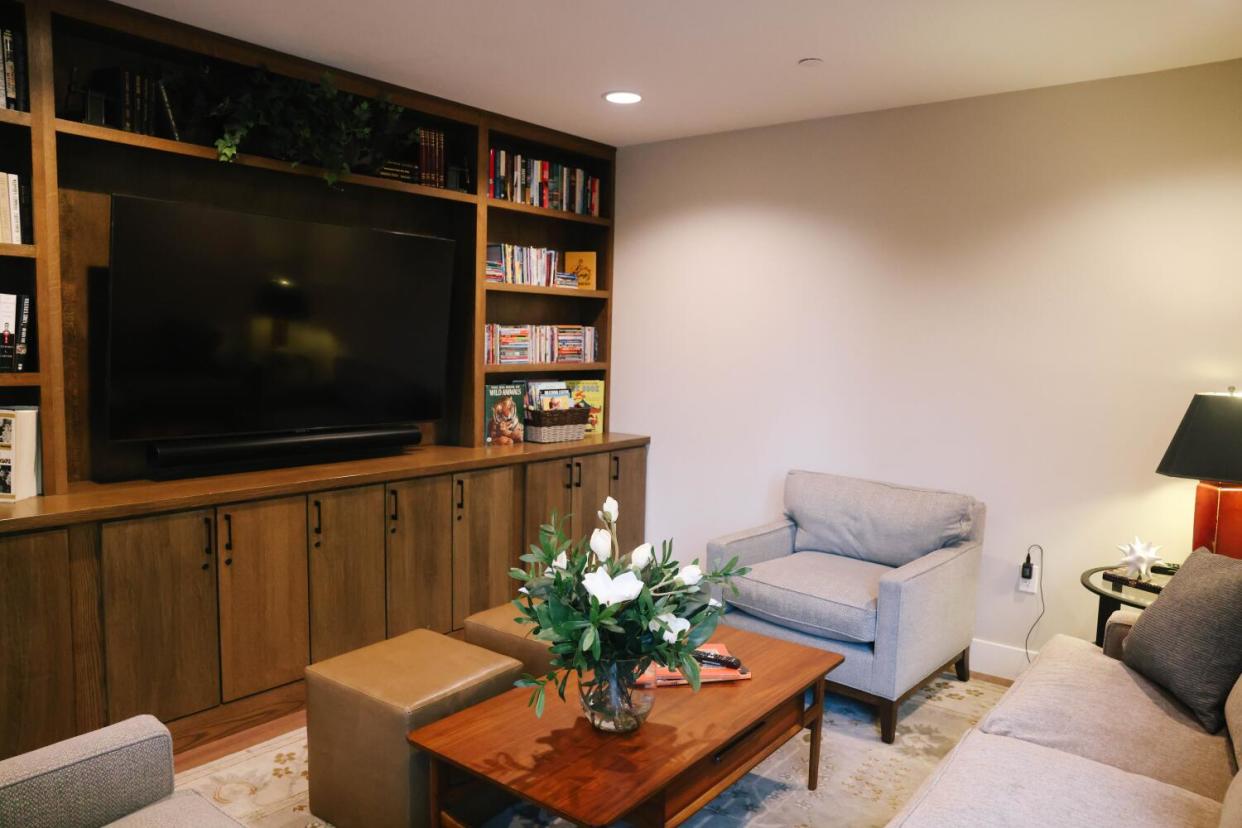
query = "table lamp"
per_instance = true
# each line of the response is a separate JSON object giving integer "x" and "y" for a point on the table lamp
{"x": 1208, "y": 447}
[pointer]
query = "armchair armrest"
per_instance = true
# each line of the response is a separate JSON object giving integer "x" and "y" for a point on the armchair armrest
{"x": 925, "y": 616}
{"x": 1116, "y": 629}
{"x": 92, "y": 779}
{"x": 753, "y": 546}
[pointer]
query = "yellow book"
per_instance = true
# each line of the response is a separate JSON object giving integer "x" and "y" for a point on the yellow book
{"x": 582, "y": 265}
{"x": 589, "y": 393}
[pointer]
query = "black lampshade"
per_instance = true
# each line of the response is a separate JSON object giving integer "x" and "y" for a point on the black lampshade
{"x": 1208, "y": 443}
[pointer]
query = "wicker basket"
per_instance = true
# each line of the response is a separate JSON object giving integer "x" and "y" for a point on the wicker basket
{"x": 556, "y": 426}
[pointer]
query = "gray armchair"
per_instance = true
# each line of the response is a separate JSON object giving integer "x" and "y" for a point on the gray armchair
{"x": 120, "y": 775}
{"x": 883, "y": 574}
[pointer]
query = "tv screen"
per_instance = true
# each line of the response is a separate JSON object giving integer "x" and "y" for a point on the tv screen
{"x": 227, "y": 323}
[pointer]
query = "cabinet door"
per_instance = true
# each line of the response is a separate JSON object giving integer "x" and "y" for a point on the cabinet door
{"x": 346, "y": 530}
{"x": 591, "y": 486}
{"x": 36, "y": 644}
{"x": 159, "y": 609}
{"x": 628, "y": 484}
{"x": 549, "y": 488}
{"x": 420, "y": 555}
{"x": 264, "y": 618}
{"x": 487, "y": 509}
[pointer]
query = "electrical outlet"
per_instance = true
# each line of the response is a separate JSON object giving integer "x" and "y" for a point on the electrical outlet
{"x": 1030, "y": 584}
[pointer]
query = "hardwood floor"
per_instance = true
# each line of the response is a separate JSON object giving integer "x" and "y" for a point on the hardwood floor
{"x": 202, "y": 754}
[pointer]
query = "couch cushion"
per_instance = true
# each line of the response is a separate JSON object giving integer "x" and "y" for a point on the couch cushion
{"x": 1231, "y": 810}
{"x": 825, "y": 595}
{"x": 184, "y": 808}
{"x": 994, "y": 782}
{"x": 878, "y": 522}
{"x": 1189, "y": 640}
{"x": 1076, "y": 699}
{"x": 1233, "y": 719}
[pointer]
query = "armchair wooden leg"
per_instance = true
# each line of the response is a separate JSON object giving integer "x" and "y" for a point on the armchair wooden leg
{"x": 888, "y": 719}
{"x": 962, "y": 665}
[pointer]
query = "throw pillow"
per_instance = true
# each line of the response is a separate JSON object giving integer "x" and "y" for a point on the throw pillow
{"x": 1189, "y": 640}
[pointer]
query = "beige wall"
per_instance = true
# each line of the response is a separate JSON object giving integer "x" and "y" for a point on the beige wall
{"x": 1012, "y": 296}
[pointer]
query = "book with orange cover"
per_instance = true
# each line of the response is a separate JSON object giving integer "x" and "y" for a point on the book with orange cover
{"x": 657, "y": 676}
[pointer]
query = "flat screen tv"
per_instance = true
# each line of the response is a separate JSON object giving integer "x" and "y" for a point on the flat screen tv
{"x": 223, "y": 323}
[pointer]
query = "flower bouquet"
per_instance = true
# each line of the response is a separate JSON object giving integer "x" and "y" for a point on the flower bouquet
{"x": 606, "y": 617}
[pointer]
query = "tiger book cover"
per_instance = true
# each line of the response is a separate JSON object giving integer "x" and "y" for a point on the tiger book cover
{"x": 503, "y": 414}
{"x": 582, "y": 265}
{"x": 589, "y": 393}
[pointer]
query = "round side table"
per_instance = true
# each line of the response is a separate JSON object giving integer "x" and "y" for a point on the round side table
{"x": 1114, "y": 595}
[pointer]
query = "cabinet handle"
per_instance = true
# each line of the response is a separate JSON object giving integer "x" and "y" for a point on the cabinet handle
{"x": 578, "y": 469}
{"x": 207, "y": 548}
{"x": 569, "y": 475}
{"x": 228, "y": 538}
{"x": 461, "y": 494}
{"x": 393, "y": 494}
{"x": 616, "y": 467}
{"x": 318, "y": 521}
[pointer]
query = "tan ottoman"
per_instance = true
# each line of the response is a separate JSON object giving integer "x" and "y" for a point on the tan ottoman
{"x": 361, "y": 705}
{"x": 497, "y": 630}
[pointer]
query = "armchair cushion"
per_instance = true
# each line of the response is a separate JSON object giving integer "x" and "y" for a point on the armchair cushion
{"x": 878, "y": 522}
{"x": 824, "y": 595}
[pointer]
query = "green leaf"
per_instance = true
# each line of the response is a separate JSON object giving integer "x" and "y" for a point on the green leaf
{"x": 588, "y": 639}
{"x": 690, "y": 669}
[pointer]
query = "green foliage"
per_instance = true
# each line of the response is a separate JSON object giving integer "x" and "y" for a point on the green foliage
{"x": 583, "y": 634}
{"x": 308, "y": 123}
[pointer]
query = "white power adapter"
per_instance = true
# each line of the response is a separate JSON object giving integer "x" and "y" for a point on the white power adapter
{"x": 1029, "y": 583}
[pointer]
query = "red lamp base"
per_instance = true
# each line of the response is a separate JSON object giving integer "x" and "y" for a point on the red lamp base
{"x": 1218, "y": 518}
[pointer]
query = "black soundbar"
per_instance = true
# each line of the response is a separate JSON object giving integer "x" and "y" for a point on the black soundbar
{"x": 223, "y": 451}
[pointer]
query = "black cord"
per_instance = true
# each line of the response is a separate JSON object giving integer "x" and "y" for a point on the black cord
{"x": 1026, "y": 645}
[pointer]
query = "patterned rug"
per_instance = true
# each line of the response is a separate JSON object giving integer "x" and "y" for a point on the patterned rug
{"x": 862, "y": 781}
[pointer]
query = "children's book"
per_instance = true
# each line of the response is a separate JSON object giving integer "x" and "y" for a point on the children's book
{"x": 589, "y": 393}
{"x": 582, "y": 265}
{"x": 503, "y": 414}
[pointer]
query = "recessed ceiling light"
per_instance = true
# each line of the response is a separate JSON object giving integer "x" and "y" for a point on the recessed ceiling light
{"x": 810, "y": 62}
{"x": 619, "y": 97}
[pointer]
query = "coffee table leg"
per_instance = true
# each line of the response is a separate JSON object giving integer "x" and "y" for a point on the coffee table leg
{"x": 435, "y": 782}
{"x": 817, "y": 732}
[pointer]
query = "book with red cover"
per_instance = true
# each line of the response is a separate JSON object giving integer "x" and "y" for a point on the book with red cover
{"x": 657, "y": 676}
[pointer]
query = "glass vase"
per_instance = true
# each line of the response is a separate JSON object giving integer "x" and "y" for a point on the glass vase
{"x": 610, "y": 700}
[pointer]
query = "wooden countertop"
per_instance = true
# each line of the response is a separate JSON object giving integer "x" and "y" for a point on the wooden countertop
{"x": 87, "y": 502}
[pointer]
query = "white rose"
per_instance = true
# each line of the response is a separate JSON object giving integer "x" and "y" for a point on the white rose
{"x": 609, "y": 510}
{"x": 608, "y": 590}
{"x": 690, "y": 575}
{"x": 601, "y": 544}
{"x": 641, "y": 556}
{"x": 675, "y": 626}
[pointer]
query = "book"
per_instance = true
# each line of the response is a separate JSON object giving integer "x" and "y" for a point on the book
{"x": 589, "y": 393}
{"x": 21, "y": 351}
{"x": 166, "y": 108}
{"x": 6, "y": 218}
{"x": 582, "y": 265}
{"x": 547, "y": 395}
{"x": 515, "y": 264}
{"x": 658, "y": 676}
{"x": 15, "y": 207}
{"x": 8, "y": 332}
{"x": 19, "y": 453}
{"x": 10, "y": 69}
{"x": 543, "y": 183}
{"x": 529, "y": 344}
{"x": 504, "y": 414}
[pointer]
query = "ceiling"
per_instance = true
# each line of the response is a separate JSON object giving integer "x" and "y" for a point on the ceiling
{"x": 713, "y": 65}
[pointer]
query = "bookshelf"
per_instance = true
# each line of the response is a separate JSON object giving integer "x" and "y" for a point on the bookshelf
{"x": 73, "y": 166}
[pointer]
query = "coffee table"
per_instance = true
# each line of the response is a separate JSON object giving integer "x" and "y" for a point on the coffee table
{"x": 692, "y": 747}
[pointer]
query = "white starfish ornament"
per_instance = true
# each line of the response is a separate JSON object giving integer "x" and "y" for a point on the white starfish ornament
{"x": 1138, "y": 558}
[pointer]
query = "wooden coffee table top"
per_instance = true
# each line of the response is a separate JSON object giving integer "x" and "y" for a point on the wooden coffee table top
{"x": 562, "y": 763}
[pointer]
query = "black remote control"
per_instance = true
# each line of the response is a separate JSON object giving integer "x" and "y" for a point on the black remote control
{"x": 708, "y": 657}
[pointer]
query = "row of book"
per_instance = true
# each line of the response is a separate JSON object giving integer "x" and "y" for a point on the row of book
{"x": 14, "y": 84}
{"x": 537, "y": 344}
{"x": 134, "y": 101}
{"x": 15, "y": 324}
{"x": 431, "y": 169}
{"x": 515, "y": 177}
{"x": 505, "y": 406}
{"x": 19, "y": 453}
{"x": 515, "y": 264}
{"x": 15, "y": 219}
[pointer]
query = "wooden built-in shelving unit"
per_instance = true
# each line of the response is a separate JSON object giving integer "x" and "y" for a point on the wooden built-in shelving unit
{"x": 73, "y": 167}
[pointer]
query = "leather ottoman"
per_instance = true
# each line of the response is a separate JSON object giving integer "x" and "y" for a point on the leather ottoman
{"x": 361, "y": 705}
{"x": 497, "y": 630}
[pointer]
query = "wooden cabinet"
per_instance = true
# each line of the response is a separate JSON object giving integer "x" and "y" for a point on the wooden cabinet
{"x": 36, "y": 643}
{"x": 574, "y": 488}
{"x": 264, "y": 617}
{"x": 420, "y": 555}
{"x": 158, "y": 579}
{"x": 627, "y": 482}
{"x": 590, "y": 489}
{"x": 346, "y": 529}
{"x": 487, "y": 534}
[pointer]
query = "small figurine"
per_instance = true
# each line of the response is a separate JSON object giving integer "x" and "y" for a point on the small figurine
{"x": 1139, "y": 558}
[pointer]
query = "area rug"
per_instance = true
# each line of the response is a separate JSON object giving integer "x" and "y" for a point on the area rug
{"x": 862, "y": 781}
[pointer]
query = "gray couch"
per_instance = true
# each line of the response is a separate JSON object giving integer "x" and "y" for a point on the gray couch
{"x": 1082, "y": 740}
{"x": 884, "y": 574}
{"x": 120, "y": 775}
